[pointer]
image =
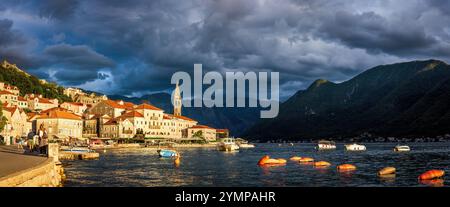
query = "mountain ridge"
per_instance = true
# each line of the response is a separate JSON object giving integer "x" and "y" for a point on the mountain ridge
{"x": 374, "y": 101}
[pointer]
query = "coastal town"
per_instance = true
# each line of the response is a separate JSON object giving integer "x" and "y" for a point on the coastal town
{"x": 91, "y": 118}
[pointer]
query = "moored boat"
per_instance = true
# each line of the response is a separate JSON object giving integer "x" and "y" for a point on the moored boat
{"x": 167, "y": 153}
{"x": 242, "y": 143}
{"x": 402, "y": 148}
{"x": 166, "y": 149}
{"x": 75, "y": 149}
{"x": 355, "y": 147}
{"x": 326, "y": 145}
{"x": 227, "y": 144}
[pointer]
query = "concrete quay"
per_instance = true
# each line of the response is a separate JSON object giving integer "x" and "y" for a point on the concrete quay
{"x": 18, "y": 169}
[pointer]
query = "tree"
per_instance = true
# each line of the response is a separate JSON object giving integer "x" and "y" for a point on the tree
{"x": 199, "y": 134}
{"x": 3, "y": 119}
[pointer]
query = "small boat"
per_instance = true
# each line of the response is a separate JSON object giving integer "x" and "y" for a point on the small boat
{"x": 242, "y": 143}
{"x": 355, "y": 147}
{"x": 166, "y": 149}
{"x": 167, "y": 153}
{"x": 246, "y": 145}
{"x": 402, "y": 148}
{"x": 75, "y": 149}
{"x": 227, "y": 144}
{"x": 326, "y": 145}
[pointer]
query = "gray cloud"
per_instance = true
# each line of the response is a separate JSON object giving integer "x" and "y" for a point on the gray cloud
{"x": 136, "y": 45}
{"x": 79, "y": 56}
{"x": 57, "y": 9}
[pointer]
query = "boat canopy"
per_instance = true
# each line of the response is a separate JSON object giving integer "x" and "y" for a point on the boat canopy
{"x": 326, "y": 142}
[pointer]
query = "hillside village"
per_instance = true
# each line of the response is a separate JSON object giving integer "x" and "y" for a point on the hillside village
{"x": 92, "y": 116}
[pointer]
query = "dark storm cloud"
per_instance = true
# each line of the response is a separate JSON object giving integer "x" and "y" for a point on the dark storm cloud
{"x": 137, "y": 45}
{"x": 376, "y": 34}
{"x": 77, "y": 56}
{"x": 9, "y": 37}
{"x": 71, "y": 77}
{"x": 76, "y": 64}
{"x": 57, "y": 9}
{"x": 13, "y": 45}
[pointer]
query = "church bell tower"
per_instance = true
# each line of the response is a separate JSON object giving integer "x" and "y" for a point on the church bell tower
{"x": 177, "y": 101}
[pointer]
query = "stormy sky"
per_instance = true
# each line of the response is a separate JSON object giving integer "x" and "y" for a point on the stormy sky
{"x": 133, "y": 47}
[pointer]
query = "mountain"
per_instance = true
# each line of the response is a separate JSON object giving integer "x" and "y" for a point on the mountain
{"x": 237, "y": 120}
{"x": 11, "y": 74}
{"x": 403, "y": 99}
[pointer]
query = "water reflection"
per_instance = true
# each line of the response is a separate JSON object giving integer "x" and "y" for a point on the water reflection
{"x": 433, "y": 183}
{"x": 209, "y": 167}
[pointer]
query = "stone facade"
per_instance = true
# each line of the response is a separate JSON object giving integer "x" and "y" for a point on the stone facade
{"x": 60, "y": 123}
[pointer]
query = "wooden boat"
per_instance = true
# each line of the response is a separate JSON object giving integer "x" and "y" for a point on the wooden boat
{"x": 402, "y": 148}
{"x": 355, "y": 147}
{"x": 227, "y": 144}
{"x": 326, "y": 145}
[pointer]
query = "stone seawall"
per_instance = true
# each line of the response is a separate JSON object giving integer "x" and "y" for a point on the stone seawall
{"x": 46, "y": 174}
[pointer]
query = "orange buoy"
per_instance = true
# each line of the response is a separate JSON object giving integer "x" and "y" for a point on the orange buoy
{"x": 432, "y": 174}
{"x": 346, "y": 167}
{"x": 266, "y": 160}
{"x": 306, "y": 159}
{"x": 263, "y": 160}
{"x": 295, "y": 158}
{"x": 386, "y": 171}
{"x": 322, "y": 164}
{"x": 177, "y": 161}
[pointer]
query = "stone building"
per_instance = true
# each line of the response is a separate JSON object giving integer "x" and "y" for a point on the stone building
{"x": 38, "y": 103}
{"x": 75, "y": 107}
{"x": 60, "y": 123}
{"x": 206, "y": 132}
{"x": 17, "y": 124}
{"x": 111, "y": 108}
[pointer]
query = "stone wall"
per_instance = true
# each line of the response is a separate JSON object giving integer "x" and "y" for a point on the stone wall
{"x": 47, "y": 174}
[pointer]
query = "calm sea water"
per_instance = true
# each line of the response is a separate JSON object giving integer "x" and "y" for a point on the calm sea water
{"x": 209, "y": 167}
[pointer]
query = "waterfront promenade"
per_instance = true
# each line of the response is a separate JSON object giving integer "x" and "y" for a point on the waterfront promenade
{"x": 20, "y": 169}
{"x": 14, "y": 160}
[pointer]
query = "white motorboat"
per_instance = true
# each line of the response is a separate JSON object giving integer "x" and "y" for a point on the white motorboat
{"x": 402, "y": 148}
{"x": 242, "y": 143}
{"x": 326, "y": 145}
{"x": 227, "y": 144}
{"x": 246, "y": 145}
{"x": 355, "y": 147}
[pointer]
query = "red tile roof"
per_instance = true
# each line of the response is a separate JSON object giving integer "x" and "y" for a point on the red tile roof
{"x": 130, "y": 114}
{"x": 201, "y": 127}
{"x": 45, "y": 101}
{"x": 183, "y": 117}
{"x": 74, "y": 103}
{"x": 222, "y": 130}
{"x": 111, "y": 122}
{"x": 6, "y": 93}
{"x": 58, "y": 113}
{"x": 115, "y": 104}
{"x": 10, "y": 109}
{"x": 148, "y": 106}
{"x": 20, "y": 98}
{"x": 167, "y": 116}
